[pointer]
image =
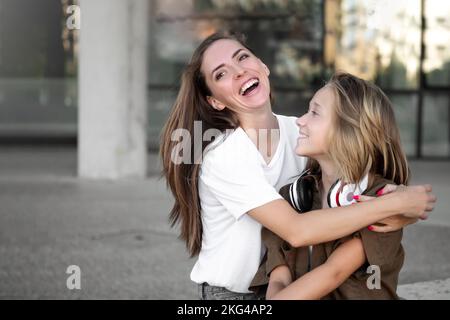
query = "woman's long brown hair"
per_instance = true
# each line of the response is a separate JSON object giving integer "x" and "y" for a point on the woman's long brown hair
{"x": 190, "y": 106}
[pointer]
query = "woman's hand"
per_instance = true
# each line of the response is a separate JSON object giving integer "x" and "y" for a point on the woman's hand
{"x": 390, "y": 224}
{"x": 417, "y": 201}
{"x": 393, "y": 223}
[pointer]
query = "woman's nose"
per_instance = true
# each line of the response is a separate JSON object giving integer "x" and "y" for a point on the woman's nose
{"x": 238, "y": 72}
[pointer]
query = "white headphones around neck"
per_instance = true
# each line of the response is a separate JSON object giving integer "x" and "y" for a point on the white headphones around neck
{"x": 341, "y": 193}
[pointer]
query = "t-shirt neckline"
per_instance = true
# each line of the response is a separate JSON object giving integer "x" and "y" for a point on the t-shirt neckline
{"x": 279, "y": 146}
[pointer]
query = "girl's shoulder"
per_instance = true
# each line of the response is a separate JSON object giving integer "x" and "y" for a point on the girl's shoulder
{"x": 378, "y": 182}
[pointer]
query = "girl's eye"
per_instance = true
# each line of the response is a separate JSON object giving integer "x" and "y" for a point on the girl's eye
{"x": 219, "y": 75}
{"x": 314, "y": 113}
{"x": 243, "y": 57}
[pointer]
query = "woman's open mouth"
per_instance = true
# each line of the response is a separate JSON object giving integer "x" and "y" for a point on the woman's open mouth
{"x": 249, "y": 87}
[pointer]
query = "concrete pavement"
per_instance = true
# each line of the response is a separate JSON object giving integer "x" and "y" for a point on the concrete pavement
{"x": 118, "y": 234}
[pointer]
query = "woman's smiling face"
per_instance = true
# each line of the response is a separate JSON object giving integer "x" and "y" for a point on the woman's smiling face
{"x": 236, "y": 78}
{"x": 315, "y": 125}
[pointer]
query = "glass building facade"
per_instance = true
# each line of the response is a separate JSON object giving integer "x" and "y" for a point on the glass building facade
{"x": 403, "y": 46}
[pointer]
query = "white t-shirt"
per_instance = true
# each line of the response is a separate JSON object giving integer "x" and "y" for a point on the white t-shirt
{"x": 234, "y": 178}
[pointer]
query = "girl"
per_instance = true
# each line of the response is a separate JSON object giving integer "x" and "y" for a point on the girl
{"x": 226, "y": 190}
{"x": 350, "y": 134}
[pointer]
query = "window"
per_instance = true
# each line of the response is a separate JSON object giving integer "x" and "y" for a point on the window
{"x": 435, "y": 135}
{"x": 437, "y": 43}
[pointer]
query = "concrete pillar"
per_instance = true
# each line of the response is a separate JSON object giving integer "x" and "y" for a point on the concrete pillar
{"x": 112, "y": 83}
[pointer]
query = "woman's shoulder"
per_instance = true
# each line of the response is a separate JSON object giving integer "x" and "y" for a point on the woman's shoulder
{"x": 231, "y": 149}
{"x": 287, "y": 121}
{"x": 284, "y": 118}
{"x": 229, "y": 142}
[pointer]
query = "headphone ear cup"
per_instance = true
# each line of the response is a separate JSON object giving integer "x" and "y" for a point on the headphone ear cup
{"x": 301, "y": 193}
{"x": 341, "y": 194}
{"x": 332, "y": 193}
{"x": 305, "y": 192}
{"x": 346, "y": 194}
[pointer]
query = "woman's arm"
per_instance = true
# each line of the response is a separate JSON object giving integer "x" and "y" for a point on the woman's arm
{"x": 280, "y": 278}
{"x": 324, "y": 225}
{"x": 393, "y": 223}
{"x": 344, "y": 261}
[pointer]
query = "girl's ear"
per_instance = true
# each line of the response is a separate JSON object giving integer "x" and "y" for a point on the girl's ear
{"x": 216, "y": 104}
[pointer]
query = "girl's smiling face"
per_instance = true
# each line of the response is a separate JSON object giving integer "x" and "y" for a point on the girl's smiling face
{"x": 236, "y": 78}
{"x": 315, "y": 125}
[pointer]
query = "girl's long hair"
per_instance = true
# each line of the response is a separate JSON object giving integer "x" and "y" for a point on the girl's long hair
{"x": 190, "y": 106}
{"x": 365, "y": 137}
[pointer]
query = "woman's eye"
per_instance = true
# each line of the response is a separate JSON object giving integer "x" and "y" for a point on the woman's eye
{"x": 219, "y": 75}
{"x": 242, "y": 57}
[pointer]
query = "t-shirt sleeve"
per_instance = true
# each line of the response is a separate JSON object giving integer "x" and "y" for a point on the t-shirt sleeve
{"x": 275, "y": 250}
{"x": 278, "y": 253}
{"x": 237, "y": 181}
{"x": 381, "y": 249}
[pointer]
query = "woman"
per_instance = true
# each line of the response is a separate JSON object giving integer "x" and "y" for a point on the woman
{"x": 223, "y": 201}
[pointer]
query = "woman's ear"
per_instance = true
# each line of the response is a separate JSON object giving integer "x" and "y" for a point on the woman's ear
{"x": 265, "y": 67}
{"x": 216, "y": 104}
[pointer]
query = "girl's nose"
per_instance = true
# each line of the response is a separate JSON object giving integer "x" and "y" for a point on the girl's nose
{"x": 301, "y": 121}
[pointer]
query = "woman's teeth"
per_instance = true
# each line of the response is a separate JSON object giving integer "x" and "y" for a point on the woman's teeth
{"x": 248, "y": 85}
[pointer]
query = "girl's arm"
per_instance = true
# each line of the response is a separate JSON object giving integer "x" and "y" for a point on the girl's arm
{"x": 344, "y": 261}
{"x": 280, "y": 278}
{"x": 324, "y": 225}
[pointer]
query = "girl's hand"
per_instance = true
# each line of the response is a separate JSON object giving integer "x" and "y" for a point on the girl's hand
{"x": 280, "y": 278}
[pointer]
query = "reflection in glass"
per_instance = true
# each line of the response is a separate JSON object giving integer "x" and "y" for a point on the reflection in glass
{"x": 435, "y": 133}
{"x": 360, "y": 41}
{"x": 286, "y": 35}
{"x": 304, "y": 41}
{"x": 437, "y": 41}
{"x": 292, "y": 103}
{"x": 159, "y": 103}
{"x": 38, "y": 69}
{"x": 405, "y": 109}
